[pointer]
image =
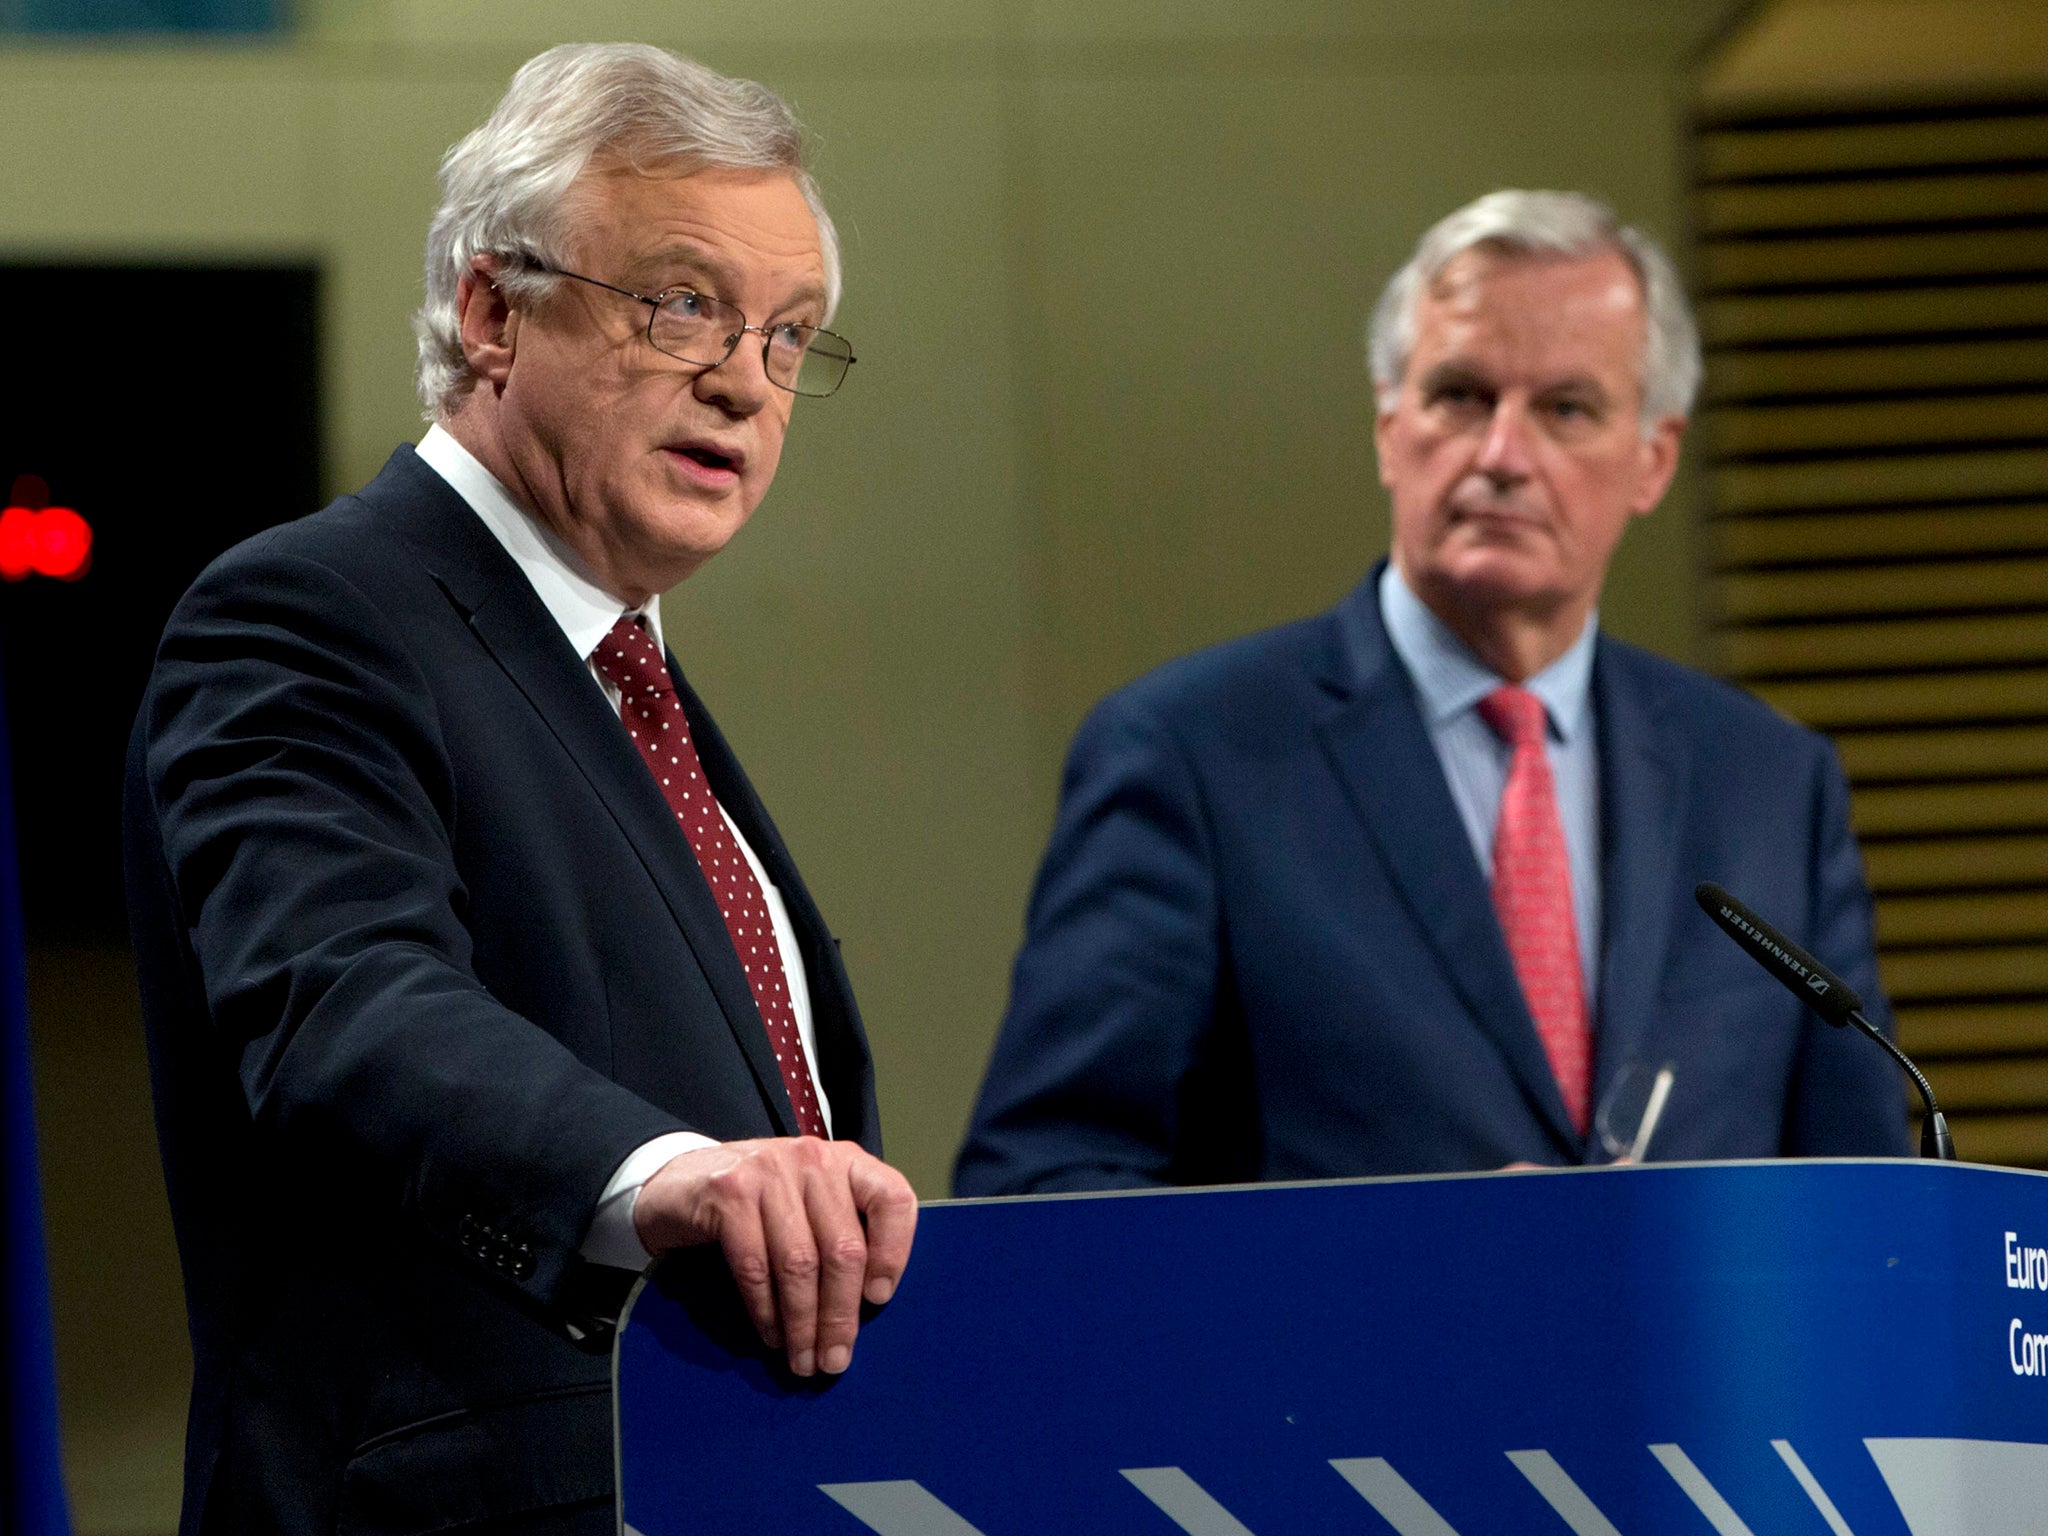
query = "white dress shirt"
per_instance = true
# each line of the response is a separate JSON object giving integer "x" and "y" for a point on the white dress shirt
{"x": 586, "y": 613}
{"x": 1451, "y": 681}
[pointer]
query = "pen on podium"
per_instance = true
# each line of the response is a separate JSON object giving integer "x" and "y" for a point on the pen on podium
{"x": 1660, "y": 1091}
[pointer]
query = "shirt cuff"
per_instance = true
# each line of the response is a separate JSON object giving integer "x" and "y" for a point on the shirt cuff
{"x": 612, "y": 1239}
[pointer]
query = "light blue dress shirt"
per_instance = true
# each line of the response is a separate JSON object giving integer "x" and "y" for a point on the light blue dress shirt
{"x": 1450, "y": 681}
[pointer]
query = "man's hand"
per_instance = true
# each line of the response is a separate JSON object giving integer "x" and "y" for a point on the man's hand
{"x": 809, "y": 1228}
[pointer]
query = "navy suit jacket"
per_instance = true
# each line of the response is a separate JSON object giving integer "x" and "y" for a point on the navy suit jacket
{"x": 423, "y": 956}
{"x": 1260, "y": 946}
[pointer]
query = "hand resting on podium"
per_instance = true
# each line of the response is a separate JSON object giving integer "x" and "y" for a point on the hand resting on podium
{"x": 810, "y": 1229}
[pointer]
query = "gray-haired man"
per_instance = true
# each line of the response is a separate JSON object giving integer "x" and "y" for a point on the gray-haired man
{"x": 1406, "y": 887}
{"x": 475, "y": 973}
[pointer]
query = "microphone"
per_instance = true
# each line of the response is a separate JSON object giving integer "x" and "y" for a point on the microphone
{"x": 1822, "y": 991}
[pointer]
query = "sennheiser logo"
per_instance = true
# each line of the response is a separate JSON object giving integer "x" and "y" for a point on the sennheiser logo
{"x": 1773, "y": 949}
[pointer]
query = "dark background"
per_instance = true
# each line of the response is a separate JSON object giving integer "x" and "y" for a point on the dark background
{"x": 177, "y": 409}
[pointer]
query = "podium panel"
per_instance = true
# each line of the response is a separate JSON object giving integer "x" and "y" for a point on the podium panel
{"x": 1820, "y": 1348}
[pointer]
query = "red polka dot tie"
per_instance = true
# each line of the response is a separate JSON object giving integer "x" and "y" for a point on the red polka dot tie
{"x": 1532, "y": 893}
{"x": 629, "y": 659}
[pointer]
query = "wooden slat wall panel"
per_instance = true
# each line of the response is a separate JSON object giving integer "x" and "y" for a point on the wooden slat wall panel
{"x": 1982, "y": 752}
{"x": 1835, "y": 427}
{"x": 1751, "y": 207}
{"x": 1975, "y": 1029}
{"x": 1895, "y": 645}
{"x": 1735, "y": 264}
{"x": 1874, "y": 297}
{"x": 2014, "y": 1140}
{"x": 1731, "y": 152}
{"x": 1928, "y": 699}
{"x": 1925, "y": 810}
{"x": 2011, "y": 581}
{"x": 1964, "y": 917}
{"x": 1845, "y": 369}
{"x": 1756, "y": 544}
{"x": 1855, "y": 314}
{"x": 1918, "y": 865}
{"x": 2005, "y": 474}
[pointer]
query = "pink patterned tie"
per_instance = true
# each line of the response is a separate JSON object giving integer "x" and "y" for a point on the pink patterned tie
{"x": 629, "y": 659}
{"x": 1532, "y": 893}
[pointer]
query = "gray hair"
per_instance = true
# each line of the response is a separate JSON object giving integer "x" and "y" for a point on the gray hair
{"x": 505, "y": 189}
{"x": 1566, "y": 224}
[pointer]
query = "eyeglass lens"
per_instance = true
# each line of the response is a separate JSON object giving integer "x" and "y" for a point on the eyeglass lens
{"x": 699, "y": 329}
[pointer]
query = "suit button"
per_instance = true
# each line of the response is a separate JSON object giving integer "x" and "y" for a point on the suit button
{"x": 522, "y": 1267}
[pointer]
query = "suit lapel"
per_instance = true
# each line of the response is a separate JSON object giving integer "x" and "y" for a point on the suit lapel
{"x": 512, "y": 623}
{"x": 1644, "y": 768}
{"x": 1379, "y": 747}
{"x": 843, "y": 1063}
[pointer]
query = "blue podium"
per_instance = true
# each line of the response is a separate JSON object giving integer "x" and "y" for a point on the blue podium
{"x": 1823, "y": 1347}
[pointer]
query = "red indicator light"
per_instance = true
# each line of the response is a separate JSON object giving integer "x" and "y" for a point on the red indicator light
{"x": 17, "y": 542}
{"x": 66, "y": 540}
{"x": 39, "y": 540}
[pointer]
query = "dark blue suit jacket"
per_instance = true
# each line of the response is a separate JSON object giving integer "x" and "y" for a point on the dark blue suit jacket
{"x": 423, "y": 956}
{"x": 1260, "y": 946}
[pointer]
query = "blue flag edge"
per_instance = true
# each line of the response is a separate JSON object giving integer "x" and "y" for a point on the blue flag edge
{"x": 32, "y": 1500}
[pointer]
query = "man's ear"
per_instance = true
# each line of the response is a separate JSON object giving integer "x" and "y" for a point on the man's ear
{"x": 489, "y": 323}
{"x": 1384, "y": 401}
{"x": 1658, "y": 462}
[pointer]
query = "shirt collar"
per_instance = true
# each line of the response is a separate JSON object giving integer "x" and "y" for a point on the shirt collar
{"x": 585, "y": 611}
{"x": 1451, "y": 679}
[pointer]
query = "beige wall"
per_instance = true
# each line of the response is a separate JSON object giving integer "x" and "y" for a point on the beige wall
{"x": 1802, "y": 53}
{"x": 1107, "y": 270}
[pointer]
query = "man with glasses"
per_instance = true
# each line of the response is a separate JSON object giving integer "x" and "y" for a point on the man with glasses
{"x": 1407, "y": 887}
{"x": 475, "y": 973}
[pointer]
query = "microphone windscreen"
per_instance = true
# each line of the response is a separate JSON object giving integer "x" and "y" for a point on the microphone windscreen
{"x": 1808, "y": 980}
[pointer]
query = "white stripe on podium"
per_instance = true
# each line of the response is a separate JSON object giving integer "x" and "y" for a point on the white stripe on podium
{"x": 1965, "y": 1487}
{"x": 1389, "y": 1492}
{"x": 1562, "y": 1494}
{"x": 1705, "y": 1496}
{"x": 1814, "y": 1491}
{"x": 899, "y": 1508}
{"x": 1185, "y": 1502}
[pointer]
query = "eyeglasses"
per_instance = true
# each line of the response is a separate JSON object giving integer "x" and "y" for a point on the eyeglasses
{"x": 695, "y": 328}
